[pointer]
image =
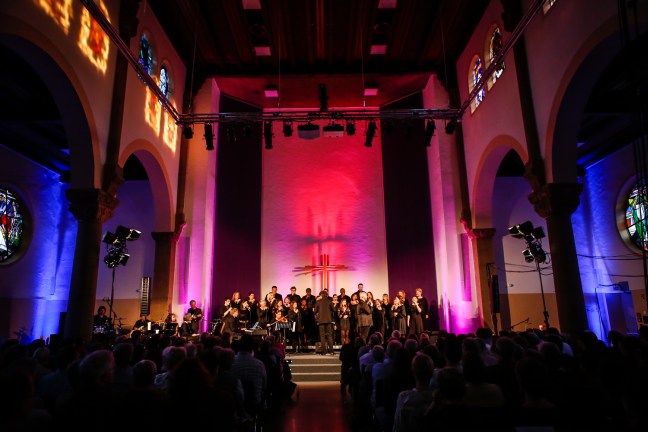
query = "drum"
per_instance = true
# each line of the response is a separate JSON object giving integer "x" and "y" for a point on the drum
{"x": 100, "y": 329}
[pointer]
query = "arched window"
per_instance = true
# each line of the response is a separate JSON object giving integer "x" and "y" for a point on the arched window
{"x": 476, "y": 74}
{"x": 164, "y": 81}
{"x": 495, "y": 48}
{"x": 145, "y": 54}
{"x": 635, "y": 215}
{"x": 11, "y": 224}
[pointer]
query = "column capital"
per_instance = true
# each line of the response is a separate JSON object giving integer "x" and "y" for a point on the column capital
{"x": 556, "y": 199}
{"x": 481, "y": 233}
{"x": 165, "y": 236}
{"x": 91, "y": 204}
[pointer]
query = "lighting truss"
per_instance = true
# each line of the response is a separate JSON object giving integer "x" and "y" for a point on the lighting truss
{"x": 451, "y": 114}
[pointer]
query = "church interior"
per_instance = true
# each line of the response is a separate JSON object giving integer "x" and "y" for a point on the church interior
{"x": 491, "y": 153}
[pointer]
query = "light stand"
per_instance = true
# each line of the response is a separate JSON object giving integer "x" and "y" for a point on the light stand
{"x": 117, "y": 254}
{"x": 533, "y": 252}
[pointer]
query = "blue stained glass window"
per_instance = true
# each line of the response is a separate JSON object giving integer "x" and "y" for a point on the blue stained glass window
{"x": 636, "y": 224}
{"x": 145, "y": 57}
{"x": 11, "y": 224}
{"x": 478, "y": 73}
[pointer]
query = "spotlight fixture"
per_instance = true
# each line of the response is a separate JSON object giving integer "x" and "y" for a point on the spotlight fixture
{"x": 333, "y": 130}
{"x": 323, "y": 97}
{"x": 267, "y": 134}
{"x": 287, "y": 128}
{"x": 522, "y": 230}
{"x": 451, "y": 126}
{"x": 533, "y": 252}
{"x": 371, "y": 131}
{"x": 350, "y": 127}
{"x": 187, "y": 131}
{"x": 209, "y": 136}
{"x": 117, "y": 254}
{"x": 308, "y": 131}
{"x": 430, "y": 127}
{"x": 129, "y": 234}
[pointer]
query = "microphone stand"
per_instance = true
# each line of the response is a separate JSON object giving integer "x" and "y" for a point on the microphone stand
{"x": 517, "y": 324}
{"x": 112, "y": 296}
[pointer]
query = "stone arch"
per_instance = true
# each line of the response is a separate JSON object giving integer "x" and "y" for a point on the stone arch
{"x": 65, "y": 87}
{"x": 576, "y": 86}
{"x": 159, "y": 179}
{"x": 482, "y": 197}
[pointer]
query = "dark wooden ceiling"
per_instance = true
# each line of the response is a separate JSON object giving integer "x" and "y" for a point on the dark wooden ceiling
{"x": 316, "y": 42}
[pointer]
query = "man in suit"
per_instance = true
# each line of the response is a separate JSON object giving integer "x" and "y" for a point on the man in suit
{"x": 324, "y": 315}
{"x": 363, "y": 313}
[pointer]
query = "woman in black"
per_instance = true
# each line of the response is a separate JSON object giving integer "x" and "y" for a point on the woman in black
{"x": 398, "y": 316}
{"x": 378, "y": 316}
{"x": 295, "y": 317}
{"x": 344, "y": 320}
{"x": 264, "y": 314}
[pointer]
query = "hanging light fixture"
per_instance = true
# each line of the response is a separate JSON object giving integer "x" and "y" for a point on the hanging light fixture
{"x": 267, "y": 134}
{"x": 371, "y": 131}
{"x": 209, "y": 136}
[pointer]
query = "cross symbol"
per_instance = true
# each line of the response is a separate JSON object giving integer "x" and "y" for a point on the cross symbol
{"x": 324, "y": 267}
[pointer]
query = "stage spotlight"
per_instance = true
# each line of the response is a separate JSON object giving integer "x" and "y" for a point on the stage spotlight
{"x": 129, "y": 234}
{"x": 110, "y": 238}
{"x": 323, "y": 97}
{"x": 429, "y": 132}
{"x": 371, "y": 131}
{"x": 287, "y": 128}
{"x": 451, "y": 126}
{"x": 209, "y": 136}
{"x": 350, "y": 127}
{"x": 187, "y": 131}
{"x": 267, "y": 134}
{"x": 521, "y": 230}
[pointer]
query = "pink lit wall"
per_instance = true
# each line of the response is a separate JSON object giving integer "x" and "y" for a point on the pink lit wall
{"x": 323, "y": 196}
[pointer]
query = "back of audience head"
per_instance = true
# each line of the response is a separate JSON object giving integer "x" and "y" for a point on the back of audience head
{"x": 392, "y": 347}
{"x": 144, "y": 372}
{"x": 97, "y": 369}
{"x": 171, "y": 356}
{"x": 422, "y": 369}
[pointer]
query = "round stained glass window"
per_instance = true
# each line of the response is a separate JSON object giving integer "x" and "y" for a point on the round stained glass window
{"x": 635, "y": 215}
{"x": 11, "y": 225}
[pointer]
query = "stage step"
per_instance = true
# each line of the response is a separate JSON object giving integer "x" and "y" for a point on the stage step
{"x": 312, "y": 367}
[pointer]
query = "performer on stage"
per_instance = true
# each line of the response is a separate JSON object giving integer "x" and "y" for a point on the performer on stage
{"x": 324, "y": 315}
{"x": 192, "y": 319}
{"x": 294, "y": 315}
{"x": 230, "y": 322}
{"x": 101, "y": 321}
{"x": 142, "y": 323}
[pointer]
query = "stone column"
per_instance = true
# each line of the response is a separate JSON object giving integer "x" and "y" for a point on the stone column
{"x": 91, "y": 208}
{"x": 556, "y": 202}
{"x": 163, "y": 273}
{"x": 482, "y": 241}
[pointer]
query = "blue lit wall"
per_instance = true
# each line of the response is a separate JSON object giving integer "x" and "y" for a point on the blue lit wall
{"x": 34, "y": 287}
{"x": 605, "y": 258}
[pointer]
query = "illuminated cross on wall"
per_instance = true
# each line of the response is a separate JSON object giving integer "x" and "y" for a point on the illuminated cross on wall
{"x": 324, "y": 267}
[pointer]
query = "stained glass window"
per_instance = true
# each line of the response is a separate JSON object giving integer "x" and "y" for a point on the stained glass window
{"x": 636, "y": 224}
{"x": 164, "y": 81}
{"x": 478, "y": 73}
{"x": 11, "y": 224}
{"x": 495, "y": 50}
{"x": 145, "y": 57}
